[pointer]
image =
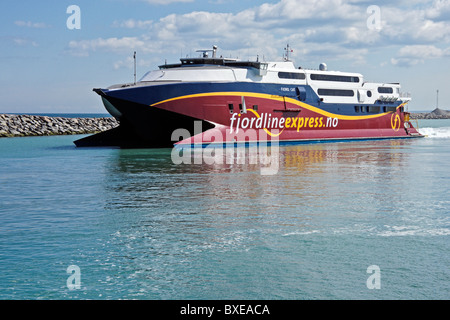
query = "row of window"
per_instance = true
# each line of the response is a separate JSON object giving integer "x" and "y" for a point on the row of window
{"x": 385, "y": 90}
{"x": 331, "y": 77}
{"x": 321, "y": 77}
{"x": 350, "y": 93}
{"x": 291, "y": 75}
{"x": 336, "y": 92}
{"x": 338, "y": 78}
{"x": 374, "y": 109}
{"x": 358, "y": 109}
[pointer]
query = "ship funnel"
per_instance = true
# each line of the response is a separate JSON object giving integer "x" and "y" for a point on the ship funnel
{"x": 323, "y": 67}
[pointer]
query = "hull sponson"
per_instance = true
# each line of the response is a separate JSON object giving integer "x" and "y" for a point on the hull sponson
{"x": 149, "y": 127}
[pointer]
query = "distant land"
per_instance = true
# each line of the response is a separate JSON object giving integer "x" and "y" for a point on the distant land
{"x": 435, "y": 114}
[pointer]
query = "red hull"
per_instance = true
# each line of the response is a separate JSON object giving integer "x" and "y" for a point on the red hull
{"x": 259, "y": 117}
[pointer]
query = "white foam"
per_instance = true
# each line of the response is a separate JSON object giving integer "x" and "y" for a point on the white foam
{"x": 443, "y": 132}
{"x": 419, "y": 232}
{"x": 296, "y": 233}
{"x": 399, "y": 231}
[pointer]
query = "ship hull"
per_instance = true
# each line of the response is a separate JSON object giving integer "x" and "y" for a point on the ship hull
{"x": 214, "y": 113}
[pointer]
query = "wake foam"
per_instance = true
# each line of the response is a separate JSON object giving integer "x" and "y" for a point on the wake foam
{"x": 443, "y": 132}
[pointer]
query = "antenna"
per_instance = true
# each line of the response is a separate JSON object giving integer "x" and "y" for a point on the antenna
{"x": 205, "y": 52}
{"x": 134, "y": 57}
{"x": 287, "y": 51}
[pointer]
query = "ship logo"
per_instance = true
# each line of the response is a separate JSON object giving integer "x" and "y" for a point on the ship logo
{"x": 395, "y": 122}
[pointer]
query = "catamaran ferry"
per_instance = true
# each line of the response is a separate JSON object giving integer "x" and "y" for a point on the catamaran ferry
{"x": 250, "y": 101}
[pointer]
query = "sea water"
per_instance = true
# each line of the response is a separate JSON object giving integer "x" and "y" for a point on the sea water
{"x": 351, "y": 220}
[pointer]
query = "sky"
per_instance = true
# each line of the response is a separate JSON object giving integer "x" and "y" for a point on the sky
{"x": 52, "y": 55}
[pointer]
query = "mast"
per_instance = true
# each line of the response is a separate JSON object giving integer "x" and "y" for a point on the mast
{"x": 287, "y": 50}
{"x": 134, "y": 57}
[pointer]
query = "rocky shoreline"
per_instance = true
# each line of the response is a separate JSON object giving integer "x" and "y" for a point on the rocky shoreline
{"x": 31, "y": 125}
{"x": 435, "y": 114}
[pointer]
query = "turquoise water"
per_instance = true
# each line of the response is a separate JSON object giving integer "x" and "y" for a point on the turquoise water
{"x": 140, "y": 227}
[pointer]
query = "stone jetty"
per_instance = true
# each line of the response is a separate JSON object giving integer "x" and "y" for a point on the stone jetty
{"x": 435, "y": 114}
{"x": 31, "y": 125}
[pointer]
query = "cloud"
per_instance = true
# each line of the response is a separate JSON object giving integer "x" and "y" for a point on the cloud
{"x": 415, "y": 25}
{"x": 309, "y": 9}
{"x": 325, "y": 30}
{"x": 29, "y": 24}
{"x": 133, "y": 24}
{"x": 423, "y": 51}
{"x": 118, "y": 45}
{"x": 128, "y": 63}
{"x": 24, "y": 42}
{"x": 440, "y": 10}
{"x": 412, "y": 55}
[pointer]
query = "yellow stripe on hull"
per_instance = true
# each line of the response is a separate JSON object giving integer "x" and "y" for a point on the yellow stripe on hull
{"x": 277, "y": 98}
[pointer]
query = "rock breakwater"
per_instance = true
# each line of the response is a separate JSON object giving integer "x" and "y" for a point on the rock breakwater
{"x": 435, "y": 114}
{"x": 31, "y": 125}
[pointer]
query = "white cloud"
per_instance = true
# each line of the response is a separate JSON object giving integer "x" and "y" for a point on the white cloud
{"x": 326, "y": 30}
{"x": 133, "y": 24}
{"x": 415, "y": 54}
{"x": 423, "y": 51}
{"x": 439, "y": 10}
{"x": 118, "y": 45}
{"x": 308, "y": 9}
{"x": 29, "y": 24}
{"x": 24, "y": 42}
{"x": 414, "y": 26}
{"x": 128, "y": 63}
